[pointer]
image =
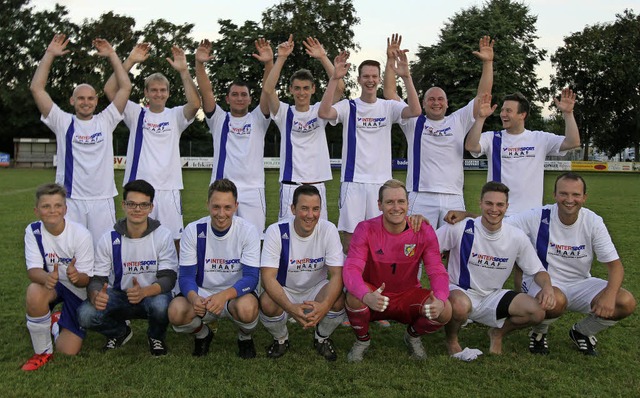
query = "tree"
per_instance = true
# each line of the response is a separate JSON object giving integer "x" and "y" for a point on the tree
{"x": 449, "y": 64}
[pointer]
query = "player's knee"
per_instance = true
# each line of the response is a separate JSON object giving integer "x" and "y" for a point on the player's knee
{"x": 247, "y": 310}
{"x": 339, "y": 304}
{"x": 460, "y": 308}
{"x": 37, "y": 299}
{"x": 626, "y": 303}
{"x": 353, "y": 303}
{"x": 178, "y": 311}
{"x": 536, "y": 313}
{"x": 68, "y": 346}
{"x": 268, "y": 306}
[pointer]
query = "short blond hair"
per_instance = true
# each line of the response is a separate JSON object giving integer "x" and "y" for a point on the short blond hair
{"x": 392, "y": 183}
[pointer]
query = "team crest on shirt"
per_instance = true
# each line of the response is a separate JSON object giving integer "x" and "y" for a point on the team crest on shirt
{"x": 410, "y": 250}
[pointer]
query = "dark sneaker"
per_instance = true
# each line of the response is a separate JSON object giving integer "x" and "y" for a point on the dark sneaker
{"x": 157, "y": 348}
{"x": 538, "y": 343}
{"x": 201, "y": 346}
{"x": 117, "y": 342}
{"x": 36, "y": 362}
{"x": 325, "y": 349}
{"x": 276, "y": 350}
{"x": 586, "y": 344}
{"x": 246, "y": 349}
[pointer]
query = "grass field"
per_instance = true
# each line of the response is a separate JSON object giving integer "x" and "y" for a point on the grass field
{"x": 386, "y": 371}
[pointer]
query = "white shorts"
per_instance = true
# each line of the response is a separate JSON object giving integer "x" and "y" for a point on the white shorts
{"x": 252, "y": 207}
{"x": 167, "y": 208}
{"x": 483, "y": 308}
{"x": 308, "y": 295}
{"x": 579, "y": 294}
{"x": 434, "y": 206}
{"x": 286, "y": 200}
{"x": 98, "y": 215}
{"x": 358, "y": 202}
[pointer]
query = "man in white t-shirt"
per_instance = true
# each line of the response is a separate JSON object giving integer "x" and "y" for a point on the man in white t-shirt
{"x": 59, "y": 259}
{"x": 301, "y": 270}
{"x": 238, "y": 135}
{"x": 219, "y": 272}
{"x": 516, "y": 155}
{"x": 304, "y": 154}
{"x": 153, "y": 152}
{"x": 366, "y": 137}
{"x": 566, "y": 236}
{"x": 435, "y": 142}
{"x": 138, "y": 259}
{"x": 482, "y": 254}
{"x": 84, "y": 140}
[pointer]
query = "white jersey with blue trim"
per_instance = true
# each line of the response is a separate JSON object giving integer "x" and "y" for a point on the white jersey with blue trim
{"x": 304, "y": 154}
{"x": 84, "y": 153}
{"x": 435, "y": 153}
{"x": 569, "y": 249}
{"x": 139, "y": 258}
{"x": 519, "y": 164}
{"x": 490, "y": 256}
{"x": 223, "y": 257}
{"x": 153, "y": 152}
{"x": 74, "y": 241}
{"x": 238, "y": 147}
{"x": 366, "y": 139}
{"x": 303, "y": 262}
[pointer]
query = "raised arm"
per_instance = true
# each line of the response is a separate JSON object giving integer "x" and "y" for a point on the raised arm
{"x": 122, "y": 77}
{"x": 571, "y": 133}
{"x": 203, "y": 54}
{"x": 138, "y": 55}
{"x": 389, "y": 81}
{"x": 400, "y": 66}
{"x": 341, "y": 67}
{"x": 269, "y": 86}
{"x": 179, "y": 63}
{"x": 484, "y": 111}
{"x": 56, "y": 48}
{"x": 265, "y": 55}
{"x": 314, "y": 49}
{"x": 485, "y": 54}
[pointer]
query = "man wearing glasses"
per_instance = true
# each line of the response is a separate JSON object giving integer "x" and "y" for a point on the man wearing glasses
{"x": 138, "y": 260}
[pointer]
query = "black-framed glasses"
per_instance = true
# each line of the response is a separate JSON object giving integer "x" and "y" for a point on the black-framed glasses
{"x": 131, "y": 205}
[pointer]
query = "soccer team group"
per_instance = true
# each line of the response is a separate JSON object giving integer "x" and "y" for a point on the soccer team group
{"x": 107, "y": 272}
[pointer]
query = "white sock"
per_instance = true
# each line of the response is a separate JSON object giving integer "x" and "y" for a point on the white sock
{"x": 591, "y": 325}
{"x": 543, "y": 327}
{"x": 39, "y": 329}
{"x": 192, "y": 327}
{"x": 328, "y": 324}
{"x": 276, "y": 325}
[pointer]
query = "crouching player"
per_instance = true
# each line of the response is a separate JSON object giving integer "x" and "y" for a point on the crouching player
{"x": 219, "y": 270}
{"x": 59, "y": 257}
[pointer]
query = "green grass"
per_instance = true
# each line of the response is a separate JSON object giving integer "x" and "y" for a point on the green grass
{"x": 386, "y": 371}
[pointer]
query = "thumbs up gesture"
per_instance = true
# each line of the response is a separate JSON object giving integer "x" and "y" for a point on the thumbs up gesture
{"x": 72, "y": 272}
{"x": 433, "y": 307}
{"x": 375, "y": 300}
{"x": 135, "y": 294}
{"x": 52, "y": 278}
{"x": 101, "y": 299}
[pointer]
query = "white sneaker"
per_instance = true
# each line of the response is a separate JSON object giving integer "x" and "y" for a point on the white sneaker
{"x": 356, "y": 354}
{"x": 414, "y": 344}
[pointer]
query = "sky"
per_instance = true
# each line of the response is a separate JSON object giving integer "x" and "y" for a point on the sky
{"x": 413, "y": 19}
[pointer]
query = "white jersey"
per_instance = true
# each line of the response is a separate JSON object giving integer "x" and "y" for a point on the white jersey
{"x": 304, "y": 154}
{"x": 366, "y": 138}
{"x": 85, "y": 152}
{"x": 238, "y": 147}
{"x": 482, "y": 261}
{"x": 122, "y": 258}
{"x": 302, "y": 262}
{"x": 153, "y": 153}
{"x": 566, "y": 250}
{"x": 219, "y": 258}
{"x": 43, "y": 250}
{"x": 517, "y": 160}
{"x": 435, "y": 151}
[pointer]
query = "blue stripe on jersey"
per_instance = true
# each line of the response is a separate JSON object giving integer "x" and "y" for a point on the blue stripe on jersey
{"x": 283, "y": 267}
{"x": 201, "y": 248}
{"x": 417, "y": 148}
{"x": 222, "y": 154}
{"x": 137, "y": 147}
{"x": 542, "y": 241}
{"x": 496, "y": 156}
{"x": 36, "y": 227}
{"x": 287, "y": 171}
{"x": 68, "y": 159}
{"x": 464, "y": 281}
{"x": 349, "y": 167}
{"x": 116, "y": 250}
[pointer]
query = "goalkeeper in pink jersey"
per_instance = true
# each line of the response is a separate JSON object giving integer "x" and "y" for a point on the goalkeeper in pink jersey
{"x": 380, "y": 275}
